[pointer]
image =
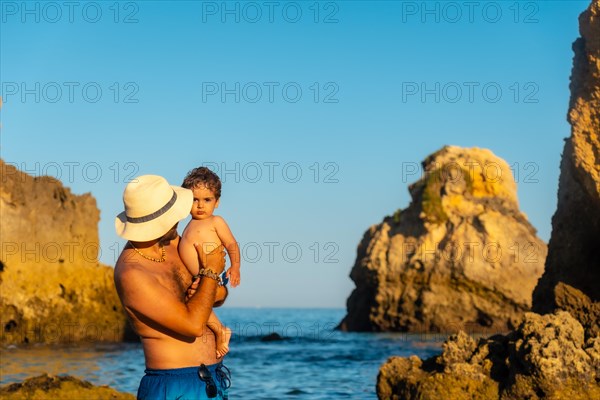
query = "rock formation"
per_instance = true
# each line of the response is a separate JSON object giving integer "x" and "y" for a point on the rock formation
{"x": 52, "y": 287}
{"x": 461, "y": 256}
{"x": 574, "y": 252}
{"x": 555, "y": 356}
{"x": 46, "y": 387}
{"x": 546, "y": 357}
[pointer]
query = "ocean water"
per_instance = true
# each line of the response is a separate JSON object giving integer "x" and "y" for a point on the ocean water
{"x": 314, "y": 361}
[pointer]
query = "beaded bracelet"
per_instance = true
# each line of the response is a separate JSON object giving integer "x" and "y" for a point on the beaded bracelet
{"x": 209, "y": 273}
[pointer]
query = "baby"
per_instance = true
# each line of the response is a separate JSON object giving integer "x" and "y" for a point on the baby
{"x": 208, "y": 231}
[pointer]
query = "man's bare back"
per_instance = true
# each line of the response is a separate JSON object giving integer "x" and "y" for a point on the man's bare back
{"x": 154, "y": 297}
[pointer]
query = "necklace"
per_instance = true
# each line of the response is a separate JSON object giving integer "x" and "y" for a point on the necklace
{"x": 162, "y": 258}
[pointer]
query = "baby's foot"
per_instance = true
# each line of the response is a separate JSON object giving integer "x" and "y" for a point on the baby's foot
{"x": 222, "y": 337}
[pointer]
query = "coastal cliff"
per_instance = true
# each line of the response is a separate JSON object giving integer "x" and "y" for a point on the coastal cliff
{"x": 52, "y": 287}
{"x": 461, "y": 256}
{"x": 556, "y": 355}
{"x": 573, "y": 264}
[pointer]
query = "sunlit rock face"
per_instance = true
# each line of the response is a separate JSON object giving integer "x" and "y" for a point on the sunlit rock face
{"x": 574, "y": 248}
{"x": 52, "y": 287}
{"x": 461, "y": 256}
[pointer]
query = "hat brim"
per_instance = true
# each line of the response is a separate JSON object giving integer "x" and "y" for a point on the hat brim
{"x": 156, "y": 228}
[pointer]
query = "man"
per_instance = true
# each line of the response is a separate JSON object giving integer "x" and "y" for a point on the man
{"x": 153, "y": 283}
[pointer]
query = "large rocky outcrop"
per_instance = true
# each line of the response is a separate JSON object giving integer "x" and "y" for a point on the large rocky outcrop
{"x": 52, "y": 287}
{"x": 574, "y": 253}
{"x": 546, "y": 357}
{"x": 461, "y": 256}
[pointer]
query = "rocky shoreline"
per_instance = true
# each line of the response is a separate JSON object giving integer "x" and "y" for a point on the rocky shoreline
{"x": 547, "y": 356}
{"x": 48, "y": 387}
{"x": 555, "y": 355}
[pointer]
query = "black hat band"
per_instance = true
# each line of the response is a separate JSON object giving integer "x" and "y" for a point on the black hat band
{"x": 156, "y": 214}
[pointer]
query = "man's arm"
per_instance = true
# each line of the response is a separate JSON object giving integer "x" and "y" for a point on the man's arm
{"x": 143, "y": 295}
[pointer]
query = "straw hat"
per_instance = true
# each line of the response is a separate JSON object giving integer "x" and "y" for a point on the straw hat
{"x": 152, "y": 207}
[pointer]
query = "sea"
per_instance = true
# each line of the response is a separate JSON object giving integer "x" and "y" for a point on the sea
{"x": 312, "y": 361}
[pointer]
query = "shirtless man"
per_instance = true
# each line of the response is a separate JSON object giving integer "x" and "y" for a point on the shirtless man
{"x": 167, "y": 310}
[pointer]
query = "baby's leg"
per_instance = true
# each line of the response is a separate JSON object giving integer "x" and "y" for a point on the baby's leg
{"x": 222, "y": 334}
{"x": 189, "y": 255}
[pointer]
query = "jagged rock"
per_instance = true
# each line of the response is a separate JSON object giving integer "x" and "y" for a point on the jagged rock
{"x": 573, "y": 253}
{"x": 52, "y": 287}
{"x": 46, "y": 387}
{"x": 546, "y": 357}
{"x": 580, "y": 306}
{"x": 461, "y": 256}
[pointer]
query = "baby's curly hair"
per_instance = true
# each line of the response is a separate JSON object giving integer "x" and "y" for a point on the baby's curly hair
{"x": 203, "y": 176}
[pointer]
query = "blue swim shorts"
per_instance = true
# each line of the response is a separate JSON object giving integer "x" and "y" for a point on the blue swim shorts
{"x": 183, "y": 383}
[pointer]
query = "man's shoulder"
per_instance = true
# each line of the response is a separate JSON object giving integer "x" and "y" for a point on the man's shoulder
{"x": 127, "y": 267}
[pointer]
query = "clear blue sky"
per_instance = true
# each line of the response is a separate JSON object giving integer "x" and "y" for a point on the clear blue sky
{"x": 314, "y": 110}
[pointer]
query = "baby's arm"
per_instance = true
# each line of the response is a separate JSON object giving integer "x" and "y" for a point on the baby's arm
{"x": 232, "y": 247}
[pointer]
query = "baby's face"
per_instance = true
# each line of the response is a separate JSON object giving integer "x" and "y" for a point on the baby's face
{"x": 204, "y": 203}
